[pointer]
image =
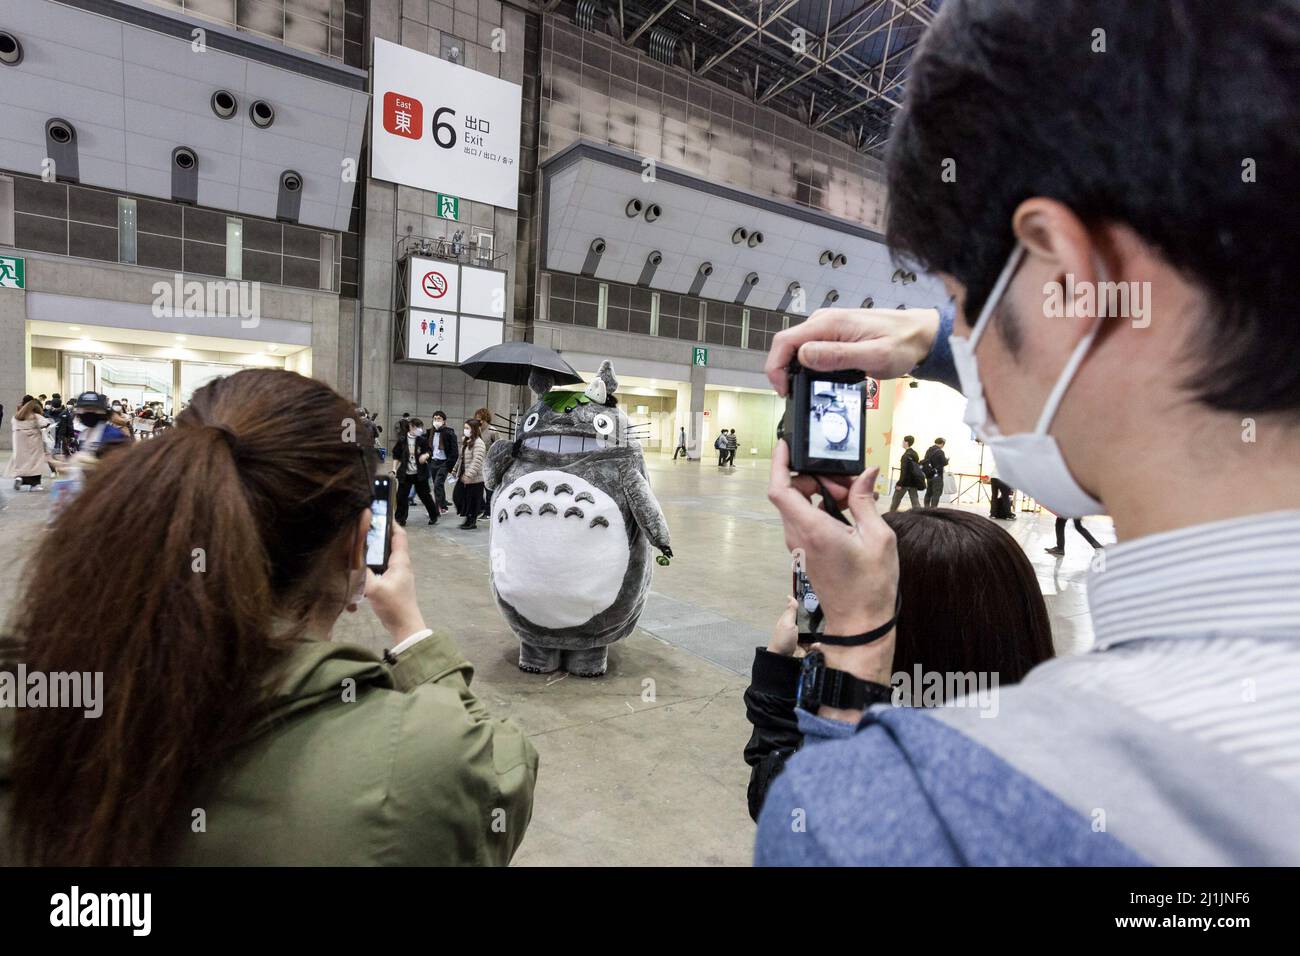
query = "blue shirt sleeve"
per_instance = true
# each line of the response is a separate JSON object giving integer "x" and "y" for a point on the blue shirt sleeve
{"x": 938, "y": 365}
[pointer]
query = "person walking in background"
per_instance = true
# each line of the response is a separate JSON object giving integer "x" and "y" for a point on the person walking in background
{"x": 910, "y": 477}
{"x": 411, "y": 461}
{"x": 720, "y": 443}
{"x": 1059, "y": 550}
{"x": 732, "y": 444}
{"x": 489, "y": 436}
{"x": 469, "y": 472}
{"x": 932, "y": 465}
{"x": 442, "y": 457}
{"x": 28, "y": 461}
{"x": 681, "y": 444}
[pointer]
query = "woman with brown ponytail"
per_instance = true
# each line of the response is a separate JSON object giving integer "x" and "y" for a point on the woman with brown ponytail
{"x": 232, "y": 731}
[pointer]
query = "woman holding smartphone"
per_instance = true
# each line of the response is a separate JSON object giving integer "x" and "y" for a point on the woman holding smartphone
{"x": 230, "y": 729}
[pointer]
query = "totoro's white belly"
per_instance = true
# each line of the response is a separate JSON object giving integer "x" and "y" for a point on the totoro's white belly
{"x": 559, "y": 548}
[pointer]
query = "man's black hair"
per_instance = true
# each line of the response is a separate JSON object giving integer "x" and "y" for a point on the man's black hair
{"x": 909, "y": 440}
{"x": 1184, "y": 129}
{"x": 440, "y": 414}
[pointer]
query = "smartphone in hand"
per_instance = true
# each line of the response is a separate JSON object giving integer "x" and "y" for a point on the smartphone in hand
{"x": 379, "y": 538}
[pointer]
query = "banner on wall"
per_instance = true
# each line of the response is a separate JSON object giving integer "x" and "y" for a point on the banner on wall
{"x": 444, "y": 128}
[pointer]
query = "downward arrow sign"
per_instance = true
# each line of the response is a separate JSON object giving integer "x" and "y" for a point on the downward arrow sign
{"x": 430, "y": 349}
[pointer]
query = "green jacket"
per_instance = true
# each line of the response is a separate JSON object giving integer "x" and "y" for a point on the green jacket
{"x": 360, "y": 762}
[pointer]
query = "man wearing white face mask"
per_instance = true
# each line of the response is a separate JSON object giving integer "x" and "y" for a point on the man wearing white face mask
{"x": 1115, "y": 300}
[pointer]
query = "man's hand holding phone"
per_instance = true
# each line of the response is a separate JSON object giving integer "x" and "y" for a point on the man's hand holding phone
{"x": 854, "y": 569}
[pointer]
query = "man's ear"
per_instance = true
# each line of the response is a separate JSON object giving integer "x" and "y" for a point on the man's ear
{"x": 1058, "y": 244}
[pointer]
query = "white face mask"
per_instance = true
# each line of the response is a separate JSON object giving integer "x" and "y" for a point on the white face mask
{"x": 1029, "y": 461}
{"x": 467, "y": 433}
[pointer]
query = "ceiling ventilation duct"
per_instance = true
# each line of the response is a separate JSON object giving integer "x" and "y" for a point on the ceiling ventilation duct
{"x": 663, "y": 45}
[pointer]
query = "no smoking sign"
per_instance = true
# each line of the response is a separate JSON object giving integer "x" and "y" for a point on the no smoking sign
{"x": 434, "y": 285}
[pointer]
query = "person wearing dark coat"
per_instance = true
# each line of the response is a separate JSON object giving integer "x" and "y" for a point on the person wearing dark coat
{"x": 443, "y": 449}
{"x": 910, "y": 479}
{"x": 410, "y": 461}
{"x": 933, "y": 464}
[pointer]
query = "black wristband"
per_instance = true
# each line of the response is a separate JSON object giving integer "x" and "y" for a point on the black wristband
{"x": 857, "y": 640}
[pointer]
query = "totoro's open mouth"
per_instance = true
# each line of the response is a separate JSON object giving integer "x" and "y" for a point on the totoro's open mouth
{"x": 566, "y": 444}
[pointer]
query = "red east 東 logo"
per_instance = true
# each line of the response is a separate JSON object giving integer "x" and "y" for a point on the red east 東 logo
{"x": 403, "y": 115}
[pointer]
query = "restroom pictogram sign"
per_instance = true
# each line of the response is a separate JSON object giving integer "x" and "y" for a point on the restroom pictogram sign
{"x": 434, "y": 285}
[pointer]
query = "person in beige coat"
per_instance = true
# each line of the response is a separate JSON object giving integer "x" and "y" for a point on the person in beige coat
{"x": 469, "y": 470}
{"x": 29, "y": 460}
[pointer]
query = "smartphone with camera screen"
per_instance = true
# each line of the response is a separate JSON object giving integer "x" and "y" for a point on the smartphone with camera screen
{"x": 379, "y": 538}
{"x": 825, "y": 421}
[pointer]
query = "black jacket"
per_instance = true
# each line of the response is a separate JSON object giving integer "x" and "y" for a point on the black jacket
{"x": 400, "y": 451}
{"x": 909, "y": 467}
{"x": 769, "y": 706}
{"x": 935, "y": 462}
{"x": 450, "y": 444}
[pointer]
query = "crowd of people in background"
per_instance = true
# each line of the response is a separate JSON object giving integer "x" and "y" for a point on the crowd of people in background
{"x": 425, "y": 460}
{"x": 726, "y": 444}
{"x": 48, "y": 433}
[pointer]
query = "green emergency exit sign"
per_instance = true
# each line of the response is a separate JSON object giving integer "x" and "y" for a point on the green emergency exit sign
{"x": 700, "y": 356}
{"x": 13, "y": 273}
{"x": 448, "y": 206}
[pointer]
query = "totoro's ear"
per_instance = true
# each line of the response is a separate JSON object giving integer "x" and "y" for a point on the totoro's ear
{"x": 606, "y": 375}
{"x": 540, "y": 381}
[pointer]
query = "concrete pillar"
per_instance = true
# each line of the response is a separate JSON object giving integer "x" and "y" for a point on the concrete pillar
{"x": 695, "y": 430}
{"x": 13, "y": 356}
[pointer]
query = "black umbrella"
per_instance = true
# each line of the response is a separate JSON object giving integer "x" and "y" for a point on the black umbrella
{"x": 513, "y": 362}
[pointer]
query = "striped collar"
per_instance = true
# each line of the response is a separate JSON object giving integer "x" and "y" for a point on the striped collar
{"x": 1240, "y": 576}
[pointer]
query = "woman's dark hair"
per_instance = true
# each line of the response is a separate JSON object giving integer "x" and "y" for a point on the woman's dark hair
{"x": 475, "y": 431}
{"x": 1155, "y": 115}
{"x": 971, "y": 601}
{"x": 230, "y": 535}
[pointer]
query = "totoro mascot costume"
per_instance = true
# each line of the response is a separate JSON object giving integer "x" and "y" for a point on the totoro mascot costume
{"x": 573, "y": 521}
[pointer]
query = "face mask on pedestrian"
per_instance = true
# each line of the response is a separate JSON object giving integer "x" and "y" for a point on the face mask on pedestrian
{"x": 466, "y": 432}
{"x": 418, "y": 432}
{"x": 1029, "y": 461}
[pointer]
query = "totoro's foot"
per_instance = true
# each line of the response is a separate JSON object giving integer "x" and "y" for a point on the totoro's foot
{"x": 538, "y": 660}
{"x": 589, "y": 663}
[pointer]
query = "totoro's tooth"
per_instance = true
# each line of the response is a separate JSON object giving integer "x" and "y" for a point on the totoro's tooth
{"x": 598, "y": 520}
{"x": 574, "y": 512}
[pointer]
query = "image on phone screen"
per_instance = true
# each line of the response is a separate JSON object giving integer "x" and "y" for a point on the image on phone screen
{"x": 376, "y": 537}
{"x": 834, "y": 411}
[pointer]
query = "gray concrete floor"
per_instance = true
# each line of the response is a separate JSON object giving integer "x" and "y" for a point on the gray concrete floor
{"x": 644, "y": 765}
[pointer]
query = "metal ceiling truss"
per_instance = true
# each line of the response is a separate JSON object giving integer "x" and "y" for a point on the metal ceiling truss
{"x": 846, "y": 78}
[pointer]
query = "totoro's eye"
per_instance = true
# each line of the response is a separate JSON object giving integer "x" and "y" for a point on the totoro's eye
{"x": 531, "y": 422}
{"x": 604, "y": 423}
